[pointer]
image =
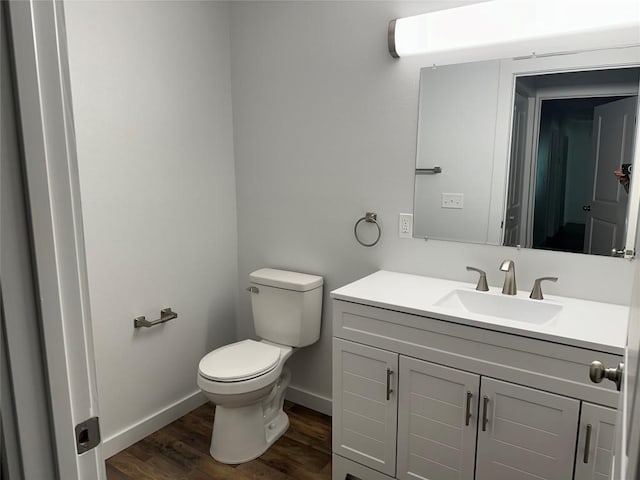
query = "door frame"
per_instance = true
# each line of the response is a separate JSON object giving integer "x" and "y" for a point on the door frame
{"x": 518, "y": 67}
{"x": 37, "y": 32}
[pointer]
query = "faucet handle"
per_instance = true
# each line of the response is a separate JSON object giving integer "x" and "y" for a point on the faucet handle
{"x": 482, "y": 281}
{"x": 536, "y": 291}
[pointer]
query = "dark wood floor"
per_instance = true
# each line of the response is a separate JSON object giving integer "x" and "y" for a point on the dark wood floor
{"x": 181, "y": 451}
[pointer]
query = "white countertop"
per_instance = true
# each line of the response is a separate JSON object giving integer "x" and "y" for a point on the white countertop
{"x": 581, "y": 323}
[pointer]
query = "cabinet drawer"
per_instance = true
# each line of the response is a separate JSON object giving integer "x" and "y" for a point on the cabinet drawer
{"x": 540, "y": 364}
{"x": 343, "y": 469}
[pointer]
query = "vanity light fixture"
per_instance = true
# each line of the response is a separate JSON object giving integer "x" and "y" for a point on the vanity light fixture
{"x": 516, "y": 28}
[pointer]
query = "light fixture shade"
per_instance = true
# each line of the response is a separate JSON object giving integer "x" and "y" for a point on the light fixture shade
{"x": 515, "y": 28}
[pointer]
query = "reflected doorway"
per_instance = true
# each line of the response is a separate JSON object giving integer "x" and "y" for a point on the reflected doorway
{"x": 571, "y": 132}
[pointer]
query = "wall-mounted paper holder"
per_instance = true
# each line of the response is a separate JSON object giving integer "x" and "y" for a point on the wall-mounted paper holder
{"x": 166, "y": 314}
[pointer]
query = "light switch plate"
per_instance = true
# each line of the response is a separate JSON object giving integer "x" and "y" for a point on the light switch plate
{"x": 453, "y": 200}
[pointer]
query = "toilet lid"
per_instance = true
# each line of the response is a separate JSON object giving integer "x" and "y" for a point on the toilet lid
{"x": 239, "y": 361}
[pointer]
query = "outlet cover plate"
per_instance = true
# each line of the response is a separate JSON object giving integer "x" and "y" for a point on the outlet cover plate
{"x": 453, "y": 200}
{"x": 405, "y": 225}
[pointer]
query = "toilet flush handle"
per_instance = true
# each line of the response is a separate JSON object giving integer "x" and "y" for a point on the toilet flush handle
{"x": 253, "y": 289}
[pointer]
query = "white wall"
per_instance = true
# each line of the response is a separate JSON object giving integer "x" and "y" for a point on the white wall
{"x": 152, "y": 104}
{"x": 325, "y": 129}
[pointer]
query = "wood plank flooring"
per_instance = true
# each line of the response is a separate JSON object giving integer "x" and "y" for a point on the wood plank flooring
{"x": 180, "y": 451}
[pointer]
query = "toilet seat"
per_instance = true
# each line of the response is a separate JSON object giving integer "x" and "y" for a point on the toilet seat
{"x": 239, "y": 361}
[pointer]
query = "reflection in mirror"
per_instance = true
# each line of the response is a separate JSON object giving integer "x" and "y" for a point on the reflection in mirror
{"x": 561, "y": 185}
{"x": 456, "y": 128}
{"x": 572, "y": 136}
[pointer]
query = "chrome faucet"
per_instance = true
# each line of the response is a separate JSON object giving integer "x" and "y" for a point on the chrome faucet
{"x": 509, "y": 287}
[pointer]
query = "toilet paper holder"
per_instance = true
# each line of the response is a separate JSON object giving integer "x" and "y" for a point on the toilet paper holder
{"x": 166, "y": 314}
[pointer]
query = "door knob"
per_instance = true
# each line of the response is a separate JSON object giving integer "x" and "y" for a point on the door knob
{"x": 597, "y": 373}
{"x": 586, "y": 208}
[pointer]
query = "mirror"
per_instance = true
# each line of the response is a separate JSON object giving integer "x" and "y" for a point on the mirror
{"x": 530, "y": 152}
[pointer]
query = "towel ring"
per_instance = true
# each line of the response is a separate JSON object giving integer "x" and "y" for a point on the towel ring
{"x": 369, "y": 217}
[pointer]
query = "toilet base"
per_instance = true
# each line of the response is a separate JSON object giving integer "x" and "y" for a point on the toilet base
{"x": 242, "y": 434}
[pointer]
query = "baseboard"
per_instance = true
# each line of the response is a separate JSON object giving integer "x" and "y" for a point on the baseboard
{"x": 308, "y": 399}
{"x": 136, "y": 432}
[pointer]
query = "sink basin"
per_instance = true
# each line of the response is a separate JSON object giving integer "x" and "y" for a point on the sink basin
{"x": 500, "y": 306}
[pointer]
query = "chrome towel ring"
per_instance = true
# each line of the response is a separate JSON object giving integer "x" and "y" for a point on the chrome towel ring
{"x": 369, "y": 217}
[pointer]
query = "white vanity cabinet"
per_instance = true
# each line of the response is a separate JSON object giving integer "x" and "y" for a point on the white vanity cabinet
{"x": 416, "y": 397}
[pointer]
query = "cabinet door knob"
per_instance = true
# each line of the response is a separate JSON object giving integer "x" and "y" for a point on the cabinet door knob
{"x": 389, "y": 389}
{"x": 597, "y": 373}
{"x": 468, "y": 416}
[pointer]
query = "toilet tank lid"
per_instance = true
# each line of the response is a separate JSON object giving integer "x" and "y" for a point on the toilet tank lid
{"x": 300, "y": 282}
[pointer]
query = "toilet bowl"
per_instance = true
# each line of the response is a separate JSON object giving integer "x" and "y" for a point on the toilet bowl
{"x": 247, "y": 380}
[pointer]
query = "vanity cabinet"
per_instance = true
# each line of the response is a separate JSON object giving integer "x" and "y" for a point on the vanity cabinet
{"x": 419, "y": 398}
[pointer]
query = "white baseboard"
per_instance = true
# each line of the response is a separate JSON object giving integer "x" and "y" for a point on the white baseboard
{"x": 308, "y": 399}
{"x": 136, "y": 432}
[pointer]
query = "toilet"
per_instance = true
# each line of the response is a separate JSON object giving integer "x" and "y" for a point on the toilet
{"x": 247, "y": 380}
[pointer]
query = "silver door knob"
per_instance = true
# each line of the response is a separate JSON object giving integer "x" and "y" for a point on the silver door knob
{"x": 597, "y": 373}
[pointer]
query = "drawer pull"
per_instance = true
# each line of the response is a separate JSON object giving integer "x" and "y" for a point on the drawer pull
{"x": 469, "y": 397}
{"x": 485, "y": 420}
{"x": 587, "y": 444}
{"x": 389, "y": 389}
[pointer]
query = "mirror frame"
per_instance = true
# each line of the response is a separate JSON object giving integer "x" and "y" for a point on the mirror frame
{"x": 510, "y": 69}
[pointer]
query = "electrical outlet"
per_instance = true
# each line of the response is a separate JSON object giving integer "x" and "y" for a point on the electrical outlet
{"x": 453, "y": 200}
{"x": 405, "y": 225}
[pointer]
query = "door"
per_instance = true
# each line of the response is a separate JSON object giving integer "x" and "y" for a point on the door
{"x": 50, "y": 172}
{"x": 627, "y": 441}
{"x": 437, "y": 421}
{"x": 365, "y": 405}
{"x": 516, "y": 214}
{"x": 613, "y": 139}
{"x": 24, "y": 416}
{"x": 525, "y": 433}
{"x": 595, "y": 442}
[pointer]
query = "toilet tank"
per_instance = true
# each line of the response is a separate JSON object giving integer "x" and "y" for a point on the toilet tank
{"x": 287, "y": 306}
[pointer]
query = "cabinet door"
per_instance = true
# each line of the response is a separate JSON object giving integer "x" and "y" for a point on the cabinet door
{"x": 437, "y": 421}
{"x": 525, "y": 433}
{"x": 365, "y": 405}
{"x": 595, "y": 442}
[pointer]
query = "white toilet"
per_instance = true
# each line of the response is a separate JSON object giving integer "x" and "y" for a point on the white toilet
{"x": 247, "y": 380}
